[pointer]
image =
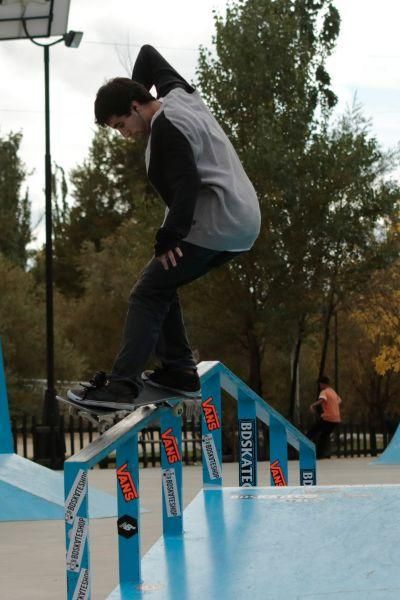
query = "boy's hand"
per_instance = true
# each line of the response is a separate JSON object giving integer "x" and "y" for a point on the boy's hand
{"x": 169, "y": 257}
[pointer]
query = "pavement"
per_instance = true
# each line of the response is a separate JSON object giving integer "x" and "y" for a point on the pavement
{"x": 32, "y": 553}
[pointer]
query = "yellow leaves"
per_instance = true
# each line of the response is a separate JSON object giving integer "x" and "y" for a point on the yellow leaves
{"x": 379, "y": 318}
{"x": 389, "y": 358}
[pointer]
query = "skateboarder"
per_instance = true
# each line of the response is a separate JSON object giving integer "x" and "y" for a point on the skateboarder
{"x": 212, "y": 215}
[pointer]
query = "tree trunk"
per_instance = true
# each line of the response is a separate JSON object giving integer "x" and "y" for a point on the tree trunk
{"x": 255, "y": 358}
{"x": 329, "y": 312}
{"x": 294, "y": 375}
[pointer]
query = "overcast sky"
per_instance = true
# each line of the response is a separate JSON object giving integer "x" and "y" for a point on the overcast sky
{"x": 365, "y": 62}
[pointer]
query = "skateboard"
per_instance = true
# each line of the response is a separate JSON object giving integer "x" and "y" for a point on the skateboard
{"x": 104, "y": 418}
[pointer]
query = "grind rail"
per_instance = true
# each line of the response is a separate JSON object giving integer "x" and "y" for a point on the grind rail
{"x": 123, "y": 439}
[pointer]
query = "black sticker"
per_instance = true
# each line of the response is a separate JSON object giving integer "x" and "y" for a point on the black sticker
{"x": 127, "y": 526}
{"x": 307, "y": 477}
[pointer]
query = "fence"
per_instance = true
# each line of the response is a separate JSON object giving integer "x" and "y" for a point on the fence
{"x": 349, "y": 440}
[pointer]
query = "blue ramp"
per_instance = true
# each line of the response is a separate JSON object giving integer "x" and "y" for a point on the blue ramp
{"x": 30, "y": 492}
{"x": 288, "y": 543}
{"x": 391, "y": 455}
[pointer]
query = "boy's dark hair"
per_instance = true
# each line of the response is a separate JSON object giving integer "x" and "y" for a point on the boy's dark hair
{"x": 324, "y": 379}
{"x": 115, "y": 98}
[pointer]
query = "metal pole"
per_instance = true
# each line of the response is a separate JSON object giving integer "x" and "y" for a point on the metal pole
{"x": 50, "y": 407}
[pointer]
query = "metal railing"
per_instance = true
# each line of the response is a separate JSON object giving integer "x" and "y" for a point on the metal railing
{"x": 123, "y": 439}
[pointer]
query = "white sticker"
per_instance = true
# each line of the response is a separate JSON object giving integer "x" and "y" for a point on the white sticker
{"x": 82, "y": 590}
{"x": 171, "y": 493}
{"x": 77, "y": 544}
{"x": 76, "y": 495}
{"x": 211, "y": 456}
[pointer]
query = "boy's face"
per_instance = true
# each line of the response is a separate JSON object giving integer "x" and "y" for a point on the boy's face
{"x": 130, "y": 126}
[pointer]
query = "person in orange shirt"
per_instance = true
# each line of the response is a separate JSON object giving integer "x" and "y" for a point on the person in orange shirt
{"x": 328, "y": 404}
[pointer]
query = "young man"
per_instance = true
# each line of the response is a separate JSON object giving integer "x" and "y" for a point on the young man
{"x": 329, "y": 401}
{"x": 212, "y": 215}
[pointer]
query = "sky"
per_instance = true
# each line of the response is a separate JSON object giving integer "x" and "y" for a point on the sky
{"x": 364, "y": 64}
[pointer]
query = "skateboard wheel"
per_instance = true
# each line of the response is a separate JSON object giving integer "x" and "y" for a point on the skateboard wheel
{"x": 178, "y": 410}
{"x": 103, "y": 427}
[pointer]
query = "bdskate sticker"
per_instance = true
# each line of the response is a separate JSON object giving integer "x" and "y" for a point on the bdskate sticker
{"x": 247, "y": 452}
{"x": 77, "y": 542}
{"x": 307, "y": 476}
{"x": 211, "y": 456}
{"x": 76, "y": 496}
{"x": 82, "y": 590}
{"x": 171, "y": 493}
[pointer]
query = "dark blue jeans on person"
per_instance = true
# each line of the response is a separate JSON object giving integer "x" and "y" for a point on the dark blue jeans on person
{"x": 320, "y": 434}
{"x": 154, "y": 322}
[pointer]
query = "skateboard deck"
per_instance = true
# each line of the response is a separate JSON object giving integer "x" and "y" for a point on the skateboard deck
{"x": 104, "y": 418}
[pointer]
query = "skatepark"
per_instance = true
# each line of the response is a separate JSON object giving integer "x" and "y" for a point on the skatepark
{"x": 264, "y": 164}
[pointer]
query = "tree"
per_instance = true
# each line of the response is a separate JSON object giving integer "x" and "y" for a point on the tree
{"x": 362, "y": 206}
{"x": 268, "y": 87}
{"x": 15, "y": 232}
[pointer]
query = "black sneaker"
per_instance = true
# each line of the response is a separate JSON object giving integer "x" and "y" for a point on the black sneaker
{"x": 181, "y": 381}
{"x": 104, "y": 393}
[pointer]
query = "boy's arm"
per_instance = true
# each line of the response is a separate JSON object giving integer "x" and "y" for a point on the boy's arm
{"x": 179, "y": 171}
{"x": 152, "y": 69}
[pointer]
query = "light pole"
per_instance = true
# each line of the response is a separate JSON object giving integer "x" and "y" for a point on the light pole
{"x": 50, "y": 407}
{"x": 50, "y": 414}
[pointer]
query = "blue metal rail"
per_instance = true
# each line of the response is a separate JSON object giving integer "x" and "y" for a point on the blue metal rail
{"x": 122, "y": 438}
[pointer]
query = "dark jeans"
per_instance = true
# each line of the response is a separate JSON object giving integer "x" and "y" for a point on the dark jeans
{"x": 320, "y": 434}
{"x": 154, "y": 322}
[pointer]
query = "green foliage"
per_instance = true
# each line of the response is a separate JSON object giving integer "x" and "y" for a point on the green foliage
{"x": 322, "y": 187}
{"x": 15, "y": 233}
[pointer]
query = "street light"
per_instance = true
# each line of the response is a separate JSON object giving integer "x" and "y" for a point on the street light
{"x": 71, "y": 39}
{"x": 33, "y": 20}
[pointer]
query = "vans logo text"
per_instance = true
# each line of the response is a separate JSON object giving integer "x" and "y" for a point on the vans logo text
{"x": 277, "y": 474}
{"x": 170, "y": 446}
{"x": 210, "y": 414}
{"x": 126, "y": 483}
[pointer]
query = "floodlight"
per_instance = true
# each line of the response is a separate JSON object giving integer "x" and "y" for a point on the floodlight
{"x": 72, "y": 39}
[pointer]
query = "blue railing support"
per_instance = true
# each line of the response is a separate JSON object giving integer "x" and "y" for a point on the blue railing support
{"x": 308, "y": 473}
{"x": 211, "y": 431}
{"x": 77, "y": 531}
{"x": 278, "y": 454}
{"x": 128, "y": 524}
{"x": 171, "y": 466}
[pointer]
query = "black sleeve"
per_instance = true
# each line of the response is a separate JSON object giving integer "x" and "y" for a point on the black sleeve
{"x": 181, "y": 178}
{"x": 152, "y": 69}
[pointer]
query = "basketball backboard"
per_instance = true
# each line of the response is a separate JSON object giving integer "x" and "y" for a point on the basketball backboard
{"x": 43, "y": 18}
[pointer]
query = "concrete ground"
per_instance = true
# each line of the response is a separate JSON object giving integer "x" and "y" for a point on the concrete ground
{"x": 32, "y": 553}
